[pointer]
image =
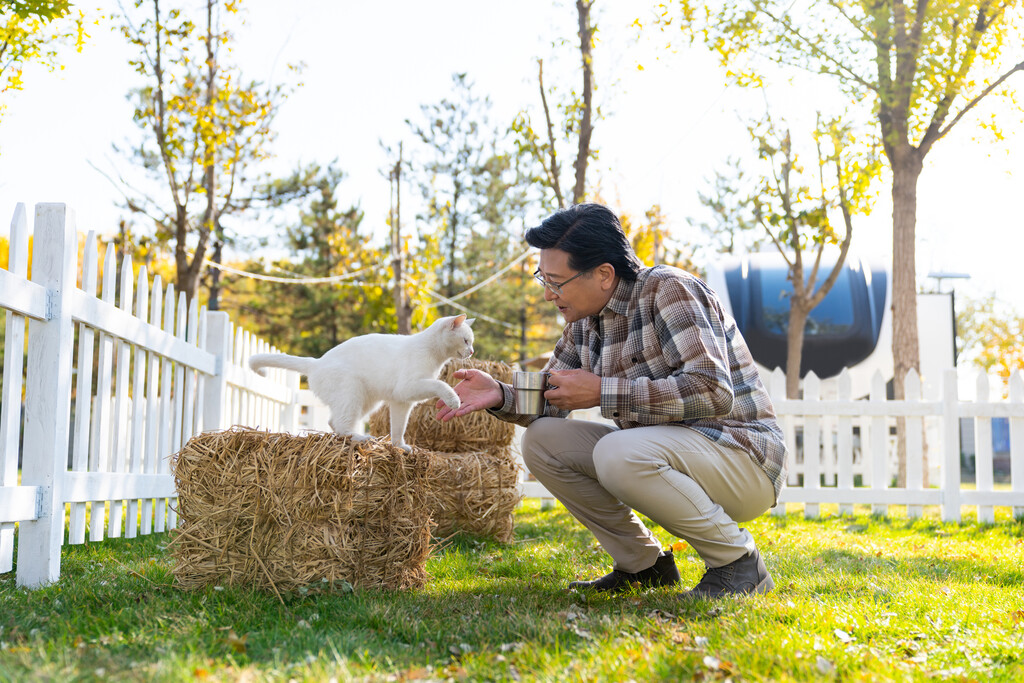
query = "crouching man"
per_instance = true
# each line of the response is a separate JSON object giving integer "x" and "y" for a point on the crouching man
{"x": 695, "y": 445}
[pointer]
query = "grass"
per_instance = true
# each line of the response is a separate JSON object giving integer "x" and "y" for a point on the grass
{"x": 857, "y": 598}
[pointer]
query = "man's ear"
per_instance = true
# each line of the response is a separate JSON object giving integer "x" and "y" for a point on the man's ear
{"x": 606, "y": 275}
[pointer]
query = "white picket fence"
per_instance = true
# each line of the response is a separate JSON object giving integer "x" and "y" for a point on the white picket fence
{"x": 831, "y": 427}
{"x": 147, "y": 372}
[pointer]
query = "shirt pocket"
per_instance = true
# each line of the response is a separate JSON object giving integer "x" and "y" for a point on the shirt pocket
{"x": 648, "y": 362}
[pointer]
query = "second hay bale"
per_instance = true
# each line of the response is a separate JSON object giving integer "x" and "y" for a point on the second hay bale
{"x": 475, "y": 493}
{"x": 477, "y": 431}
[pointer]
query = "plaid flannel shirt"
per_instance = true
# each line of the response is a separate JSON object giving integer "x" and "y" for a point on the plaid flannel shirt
{"x": 667, "y": 354}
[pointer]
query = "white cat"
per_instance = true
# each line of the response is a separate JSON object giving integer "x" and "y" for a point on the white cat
{"x": 358, "y": 375}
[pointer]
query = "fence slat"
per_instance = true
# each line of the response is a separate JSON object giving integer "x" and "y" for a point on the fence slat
{"x": 166, "y": 379}
{"x": 48, "y": 394}
{"x": 950, "y": 448}
{"x": 10, "y": 402}
{"x": 812, "y": 444}
{"x": 99, "y": 457}
{"x": 1017, "y": 442}
{"x": 83, "y": 400}
{"x": 879, "y": 435}
{"x": 915, "y": 443}
{"x": 149, "y": 464}
{"x": 844, "y": 442}
{"x": 138, "y": 403}
{"x": 119, "y": 456}
{"x": 983, "y": 479}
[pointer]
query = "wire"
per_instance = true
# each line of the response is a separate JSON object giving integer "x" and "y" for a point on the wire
{"x": 291, "y": 280}
{"x": 450, "y": 302}
{"x": 489, "y": 280}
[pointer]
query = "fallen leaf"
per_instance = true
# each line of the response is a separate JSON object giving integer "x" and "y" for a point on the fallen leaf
{"x": 237, "y": 642}
{"x": 682, "y": 638}
{"x": 843, "y": 635}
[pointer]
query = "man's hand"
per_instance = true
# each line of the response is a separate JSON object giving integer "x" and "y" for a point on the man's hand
{"x": 477, "y": 391}
{"x": 573, "y": 389}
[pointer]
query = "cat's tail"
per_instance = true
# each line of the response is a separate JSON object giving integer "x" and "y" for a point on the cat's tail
{"x": 299, "y": 364}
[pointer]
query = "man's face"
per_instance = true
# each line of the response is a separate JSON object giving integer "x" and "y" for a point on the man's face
{"x": 583, "y": 296}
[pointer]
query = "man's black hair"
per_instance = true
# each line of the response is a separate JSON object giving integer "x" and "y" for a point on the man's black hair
{"x": 591, "y": 235}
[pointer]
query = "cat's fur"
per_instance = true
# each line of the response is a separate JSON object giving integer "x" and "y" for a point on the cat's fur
{"x": 358, "y": 375}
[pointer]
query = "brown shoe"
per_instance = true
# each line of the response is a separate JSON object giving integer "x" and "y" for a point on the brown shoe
{"x": 745, "y": 575}
{"x": 662, "y": 573}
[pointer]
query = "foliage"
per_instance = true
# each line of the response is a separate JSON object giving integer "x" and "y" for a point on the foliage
{"x": 795, "y": 207}
{"x": 339, "y": 291}
{"x": 651, "y": 239}
{"x": 205, "y": 129}
{"x": 990, "y": 336}
{"x": 857, "y": 598}
{"x": 575, "y": 116}
{"x": 33, "y": 32}
{"x": 478, "y": 200}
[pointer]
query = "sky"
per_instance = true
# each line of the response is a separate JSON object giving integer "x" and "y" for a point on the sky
{"x": 369, "y": 66}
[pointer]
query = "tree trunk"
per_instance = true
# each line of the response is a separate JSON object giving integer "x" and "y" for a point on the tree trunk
{"x": 403, "y": 311}
{"x": 795, "y": 349}
{"x": 213, "y": 301}
{"x": 906, "y": 169}
{"x": 586, "y": 127}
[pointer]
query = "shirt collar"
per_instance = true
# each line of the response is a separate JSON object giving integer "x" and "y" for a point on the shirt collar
{"x": 618, "y": 303}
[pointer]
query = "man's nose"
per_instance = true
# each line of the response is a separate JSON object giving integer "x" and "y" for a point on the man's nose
{"x": 549, "y": 295}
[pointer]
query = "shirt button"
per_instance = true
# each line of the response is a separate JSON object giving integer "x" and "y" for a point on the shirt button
{"x": 615, "y": 414}
{"x": 633, "y": 359}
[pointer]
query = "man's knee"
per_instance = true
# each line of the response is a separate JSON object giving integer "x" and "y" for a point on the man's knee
{"x": 537, "y": 439}
{"x": 614, "y": 460}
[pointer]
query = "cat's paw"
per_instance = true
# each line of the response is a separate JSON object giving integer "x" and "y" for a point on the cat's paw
{"x": 453, "y": 401}
{"x": 404, "y": 446}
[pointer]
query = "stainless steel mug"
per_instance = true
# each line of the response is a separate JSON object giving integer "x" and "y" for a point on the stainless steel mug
{"x": 529, "y": 388}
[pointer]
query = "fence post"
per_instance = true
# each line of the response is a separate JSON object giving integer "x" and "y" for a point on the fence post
{"x": 218, "y": 342}
{"x": 48, "y": 394}
{"x": 950, "y": 448}
{"x": 1017, "y": 441}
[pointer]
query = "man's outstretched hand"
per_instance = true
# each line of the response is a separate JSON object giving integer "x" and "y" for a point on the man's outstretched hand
{"x": 477, "y": 391}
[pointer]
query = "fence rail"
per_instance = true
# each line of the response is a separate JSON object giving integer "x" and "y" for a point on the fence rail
{"x": 113, "y": 375}
{"x": 105, "y": 377}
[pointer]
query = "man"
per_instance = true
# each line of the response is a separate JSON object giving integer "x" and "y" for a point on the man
{"x": 695, "y": 445}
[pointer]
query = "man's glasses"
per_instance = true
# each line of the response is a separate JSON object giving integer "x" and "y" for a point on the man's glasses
{"x": 556, "y": 287}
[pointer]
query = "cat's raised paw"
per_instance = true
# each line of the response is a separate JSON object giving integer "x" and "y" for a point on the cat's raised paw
{"x": 454, "y": 402}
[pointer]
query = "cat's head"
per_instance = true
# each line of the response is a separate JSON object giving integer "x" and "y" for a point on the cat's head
{"x": 456, "y": 336}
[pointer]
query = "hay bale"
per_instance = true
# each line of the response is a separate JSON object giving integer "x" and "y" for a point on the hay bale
{"x": 475, "y": 493}
{"x": 474, "y": 432}
{"x": 280, "y": 511}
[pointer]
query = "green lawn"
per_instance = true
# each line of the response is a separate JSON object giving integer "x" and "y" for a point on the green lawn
{"x": 857, "y": 598}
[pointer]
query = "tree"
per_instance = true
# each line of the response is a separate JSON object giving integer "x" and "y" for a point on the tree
{"x": 796, "y": 216}
{"x": 453, "y": 133}
{"x": 577, "y": 120}
{"x": 922, "y": 68}
{"x": 205, "y": 130}
{"x": 338, "y": 290}
{"x": 990, "y": 336}
{"x": 729, "y": 201}
{"x": 32, "y": 32}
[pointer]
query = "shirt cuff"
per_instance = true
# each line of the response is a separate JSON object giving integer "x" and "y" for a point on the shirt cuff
{"x": 615, "y": 403}
{"x": 508, "y": 405}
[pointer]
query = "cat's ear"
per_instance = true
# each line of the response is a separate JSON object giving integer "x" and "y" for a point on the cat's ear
{"x": 469, "y": 322}
{"x": 458, "y": 320}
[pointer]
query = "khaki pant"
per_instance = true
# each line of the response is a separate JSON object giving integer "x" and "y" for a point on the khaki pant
{"x": 691, "y": 486}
